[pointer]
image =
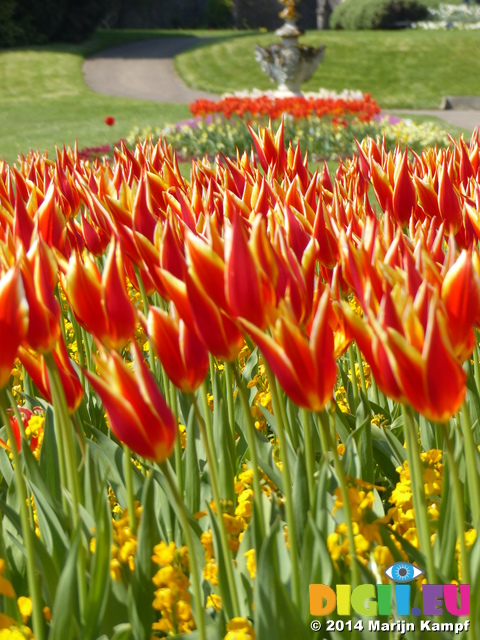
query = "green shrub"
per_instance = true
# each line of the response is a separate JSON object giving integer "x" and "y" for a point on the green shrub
{"x": 377, "y": 14}
{"x": 9, "y": 30}
{"x": 218, "y": 14}
{"x": 28, "y": 22}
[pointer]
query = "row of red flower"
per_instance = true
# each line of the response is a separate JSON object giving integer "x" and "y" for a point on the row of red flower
{"x": 270, "y": 250}
{"x": 297, "y": 106}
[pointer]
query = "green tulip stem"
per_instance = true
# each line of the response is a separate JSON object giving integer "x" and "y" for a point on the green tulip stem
{"x": 206, "y": 432}
{"x": 458, "y": 502}
{"x": 360, "y": 367}
{"x": 252, "y": 446}
{"x": 351, "y": 358}
{"x": 64, "y": 431}
{"x": 376, "y": 397}
{"x": 287, "y": 487}
{"x": 309, "y": 454}
{"x": 418, "y": 491}
{"x": 127, "y": 470}
{"x": 471, "y": 455}
{"x": 151, "y": 351}
{"x": 27, "y": 530}
{"x": 476, "y": 364}
{"x": 178, "y": 443}
{"x": 229, "y": 393}
{"x": 193, "y": 565}
{"x": 342, "y": 481}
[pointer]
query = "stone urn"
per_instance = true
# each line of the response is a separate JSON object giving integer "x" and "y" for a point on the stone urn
{"x": 289, "y": 63}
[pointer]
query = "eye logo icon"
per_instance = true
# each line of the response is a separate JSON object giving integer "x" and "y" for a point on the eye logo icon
{"x": 402, "y": 572}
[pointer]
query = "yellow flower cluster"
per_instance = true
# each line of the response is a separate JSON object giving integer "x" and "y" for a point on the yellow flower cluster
{"x": 172, "y": 598}
{"x": 234, "y": 526}
{"x": 401, "y": 513}
{"x": 124, "y": 545}
{"x": 399, "y": 518}
{"x": 262, "y": 397}
{"x": 15, "y": 633}
{"x": 17, "y": 383}
{"x": 71, "y": 341}
{"x": 239, "y": 629}
{"x": 366, "y": 532}
{"x": 183, "y": 435}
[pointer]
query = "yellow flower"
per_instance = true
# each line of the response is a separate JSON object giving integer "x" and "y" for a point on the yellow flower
{"x": 233, "y": 525}
{"x": 163, "y": 555}
{"x": 115, "y": 570}
{"x": 164, "y": 599}
{"x": 239, "y": 629}
{"x": 251, "y": 563}
{"x": 183, "y": 435}
{"x": 184, "y": 611}
{"x": 246, "y": 476}
{"x": 207, "y": 542}
{"x": 14, "y": 633}
{"x": 383, "y": 556}
{"x": 470, "y": 537}
{"x": 25, "y": 607}
{"x": 214, "y": 601}
{"x": 210, "y": 572}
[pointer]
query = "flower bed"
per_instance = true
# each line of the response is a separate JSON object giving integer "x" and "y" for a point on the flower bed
{"x": 274, "y": 106}
{"x": 326, "y": 123}
{"x": 216, "y": 392}
{"x": 325, "y": 138}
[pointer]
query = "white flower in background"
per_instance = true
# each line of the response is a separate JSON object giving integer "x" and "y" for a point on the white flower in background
{"x": 452, "y": 16}
{"x": 346, "y": 94}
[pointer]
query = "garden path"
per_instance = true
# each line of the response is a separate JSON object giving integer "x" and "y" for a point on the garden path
{"x": 142, "y": 70}
{"x": 145, "y": 70}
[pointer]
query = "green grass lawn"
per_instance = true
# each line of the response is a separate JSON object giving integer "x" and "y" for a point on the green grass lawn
{"x": 401, "y": 69}
{"x": 44, "y": 100}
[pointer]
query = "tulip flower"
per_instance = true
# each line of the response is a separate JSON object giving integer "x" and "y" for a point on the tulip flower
{"x": 100, "y": 302}
{"x": 13, "y": 320}
{"x": 96, "y": 240}
{"x": 409, "y": 351}
{"x": 36, "y": 367}
{"x": 217, "y": 330}
{"x": 404, "y": 197}
{"x": 448, "y": 200}
{"x": 182, "y": 354}
{"x": 461, "y": 296}
{"x": 39, "y": 273}
{"x": 137, "y": 411}
{"x": 50, "y": 220}
{"x": 305, "y": 368}
{"x": 205, "y": 290}
{"x": 244, "y": 289}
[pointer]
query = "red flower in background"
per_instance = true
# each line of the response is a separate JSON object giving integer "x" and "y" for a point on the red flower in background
{"x": 297, "y": 106}
{"x": 110, "y": 121}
